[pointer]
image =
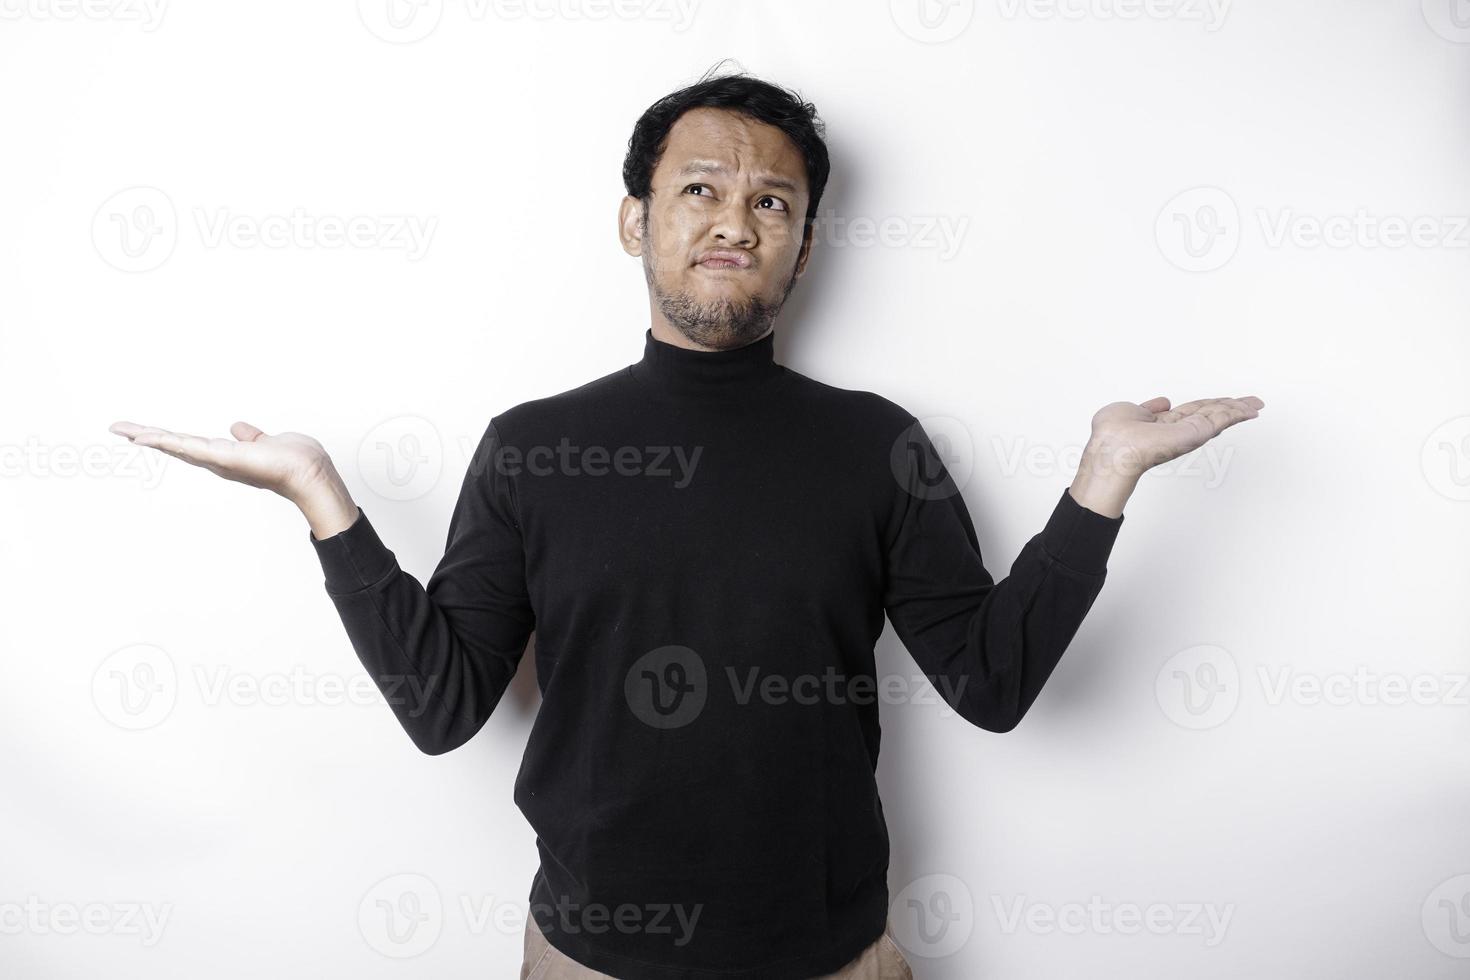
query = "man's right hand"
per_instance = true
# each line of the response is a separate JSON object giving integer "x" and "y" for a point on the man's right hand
{"x": 291, "y": 464}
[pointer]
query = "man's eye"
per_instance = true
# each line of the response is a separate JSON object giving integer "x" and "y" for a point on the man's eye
{"x": 780, "y": 204}
{"x": 696, "y": 186}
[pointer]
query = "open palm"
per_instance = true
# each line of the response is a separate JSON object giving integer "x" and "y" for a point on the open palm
{"x": 1132, "y": 438}
{"x": 283, "y": 463}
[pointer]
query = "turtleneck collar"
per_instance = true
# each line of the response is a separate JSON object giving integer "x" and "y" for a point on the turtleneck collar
{"x": 699, "y": 373}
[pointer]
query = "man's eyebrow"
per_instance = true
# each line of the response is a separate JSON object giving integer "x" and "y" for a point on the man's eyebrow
{"x": 766, "y": 179}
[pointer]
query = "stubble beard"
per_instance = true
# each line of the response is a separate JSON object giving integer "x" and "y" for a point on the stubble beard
{"x": 723, "y": 324}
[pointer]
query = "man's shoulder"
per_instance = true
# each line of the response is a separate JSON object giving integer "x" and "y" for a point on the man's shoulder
{"x": 867, "y": 409}
{"x": 563, "y": 407}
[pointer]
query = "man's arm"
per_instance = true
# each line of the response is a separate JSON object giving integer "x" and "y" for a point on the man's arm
{"x": 442, "y": 655}
{"x": 990, "y": 646}
{"x": 987, "y": 646}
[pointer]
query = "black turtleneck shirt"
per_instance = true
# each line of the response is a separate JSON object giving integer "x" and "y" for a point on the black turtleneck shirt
{"x": 705, "y": 544}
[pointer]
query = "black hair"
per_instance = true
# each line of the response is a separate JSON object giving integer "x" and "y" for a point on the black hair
{"x": 739, "y": 92}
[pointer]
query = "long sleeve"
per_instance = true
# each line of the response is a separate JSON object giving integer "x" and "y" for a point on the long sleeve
{"x": 988, "y": 646}
{"x": 442, "y": 655}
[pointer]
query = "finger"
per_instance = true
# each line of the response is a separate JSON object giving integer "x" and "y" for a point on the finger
{"x": 1250, "y": 406}
{"x": 245, "y": 432}
{"x": 1159, "y": 404}
{"x": 1190, "y": 407}
{"x": 190, "y": 448}
{"x": 1220, "y": 415}
{"x": 124, "y": 428}
{"x": 1204, "y": 406}
{"x": 1235, "y": 415}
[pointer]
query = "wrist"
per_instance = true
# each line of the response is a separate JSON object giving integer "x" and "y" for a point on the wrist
{"x": 325, "y": 503}
{"x": 1105, "y": 480}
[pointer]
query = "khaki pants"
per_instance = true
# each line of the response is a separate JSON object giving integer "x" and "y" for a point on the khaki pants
{"x": 543, "y": 961}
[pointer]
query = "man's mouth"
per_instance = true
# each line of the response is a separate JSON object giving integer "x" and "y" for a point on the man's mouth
{"x": 724, "y": 259}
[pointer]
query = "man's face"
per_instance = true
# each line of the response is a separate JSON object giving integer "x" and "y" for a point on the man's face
{"x": 724, "y": 238}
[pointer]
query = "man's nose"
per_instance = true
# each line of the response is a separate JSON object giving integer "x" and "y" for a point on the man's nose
{"x": 733, "y": 225}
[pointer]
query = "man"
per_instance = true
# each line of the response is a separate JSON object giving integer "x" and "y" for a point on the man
{"x": 705, "y": 544}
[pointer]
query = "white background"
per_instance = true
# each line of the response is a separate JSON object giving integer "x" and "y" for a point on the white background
{"x": 1324, "y": 545}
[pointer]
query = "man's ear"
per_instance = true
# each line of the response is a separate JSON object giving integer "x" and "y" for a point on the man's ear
{"x": 806, "y": 248}
{"x": 630, "y": 220}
